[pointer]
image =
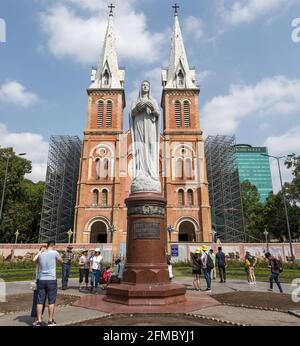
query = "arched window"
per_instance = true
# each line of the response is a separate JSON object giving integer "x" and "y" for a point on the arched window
{"x": 180, "y": 197}
{"x": 178, "y": 113}
{"x": 100, "y": 113}
{"x": 186, "y": 110}
{"x": 97, "y": 168}
{"x": 106, "y": 167}
{"x": 180, "y": 168}
{"x": 104, "y": 198}
{"x": 108, "y": 114}
{"x": 95, "y": 197}
{"x": 105, "y": 78}
{"x": 180, "y": 78}
{"x": 190, "y": 195}
{"x": 188, "y": 168}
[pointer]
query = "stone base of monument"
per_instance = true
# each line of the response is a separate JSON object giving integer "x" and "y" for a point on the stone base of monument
{"x": 143, "y": 294}
{"x": 146, "y": 276}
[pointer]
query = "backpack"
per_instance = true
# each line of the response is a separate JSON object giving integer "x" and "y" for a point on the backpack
{"x": 209, "y": 262}
{"x": 278, "y": 265}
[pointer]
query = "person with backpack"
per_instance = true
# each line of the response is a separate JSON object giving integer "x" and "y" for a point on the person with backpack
{"x": 276, "y": 269}
{"x": 208, "y": 265}
{"x": 197, "y": 265}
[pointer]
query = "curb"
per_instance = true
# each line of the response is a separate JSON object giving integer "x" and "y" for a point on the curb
{"x": 236, "y": 324}
{"x": 255, "y": 307}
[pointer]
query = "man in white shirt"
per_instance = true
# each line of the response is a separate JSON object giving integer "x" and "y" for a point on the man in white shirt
{"x": 95, "y": 269}
{"x": 206, "y": 267}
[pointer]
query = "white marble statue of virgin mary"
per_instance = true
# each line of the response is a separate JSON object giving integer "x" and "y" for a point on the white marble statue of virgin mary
{"x": 145, "y": 130}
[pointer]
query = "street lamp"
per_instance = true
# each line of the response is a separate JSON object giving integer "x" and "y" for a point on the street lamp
{"x": 17, "y": 235}
{"x": 70, "y": 233}
{"x": 278, "y": 158}
{"x": 170, "y": 229}
{"x": 266, "y": 235}
{"x": 7, "y": 157}
{"x": 214, "y": 233}
{"x": 112, "y": 230}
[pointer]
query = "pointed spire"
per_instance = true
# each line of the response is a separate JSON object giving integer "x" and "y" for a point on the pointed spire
{"x": 108, "y": 75}
{"x": 178, "y": 75}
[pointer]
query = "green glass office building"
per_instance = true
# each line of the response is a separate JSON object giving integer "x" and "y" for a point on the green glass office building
{"x": 255, "y": 167}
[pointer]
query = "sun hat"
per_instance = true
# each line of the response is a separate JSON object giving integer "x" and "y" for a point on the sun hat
{"x": 97, "y": 250}
{"x": 197, "y": 250}
{"x": 204, "y": 248}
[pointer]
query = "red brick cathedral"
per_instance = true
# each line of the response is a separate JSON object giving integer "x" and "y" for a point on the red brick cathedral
{"x": 105, "y": 170}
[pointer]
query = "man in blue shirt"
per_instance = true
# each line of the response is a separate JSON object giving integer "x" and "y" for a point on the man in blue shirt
{"x": 221, "y": 263}
{"x": 47, "y": 285}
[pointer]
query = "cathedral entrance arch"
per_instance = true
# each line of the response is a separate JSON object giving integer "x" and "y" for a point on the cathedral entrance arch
{"x": 98, "y": 232}
{"x": 187, "y": 231}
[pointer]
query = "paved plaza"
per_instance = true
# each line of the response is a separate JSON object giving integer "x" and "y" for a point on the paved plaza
{"x": 223, "y": 312}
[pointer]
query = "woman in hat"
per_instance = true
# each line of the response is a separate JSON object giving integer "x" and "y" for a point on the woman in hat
{"x": 197, "y": 265}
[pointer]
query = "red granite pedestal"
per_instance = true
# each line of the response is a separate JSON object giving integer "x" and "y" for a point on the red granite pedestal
{"x": 146, "y": 278}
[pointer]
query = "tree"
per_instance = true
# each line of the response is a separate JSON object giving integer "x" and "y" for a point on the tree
{"x": 23, "y": 199}
{"x": 293, "y": 188}
{"x": 253, "y": 212}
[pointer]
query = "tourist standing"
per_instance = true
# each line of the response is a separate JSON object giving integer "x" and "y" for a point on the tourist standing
{"x": 84, "y": 270}
{"x": 66, "y": 267}
{"x": 197, "y": 265}
{"x": 208, "y": 265}
{"x": 95, "y": 269}
{"x": 47, "y": 284}
{"x": 276, "y": 269}
{"x": 250, "y": 262}
{"x": 221, "y": 263}
{"x": 34, "y": 302}
{"x": 213, "y": 257}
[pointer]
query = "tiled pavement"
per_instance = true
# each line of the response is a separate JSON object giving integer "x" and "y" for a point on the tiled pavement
{"x": 72, "y": 314}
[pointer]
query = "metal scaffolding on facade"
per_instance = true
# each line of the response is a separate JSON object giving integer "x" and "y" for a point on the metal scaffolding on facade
{"x": 224, "y": 189}
{"x": 61, "y": 188}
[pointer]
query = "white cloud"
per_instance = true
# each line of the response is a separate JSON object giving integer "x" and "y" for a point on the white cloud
{"x": 203, "y": 75}
{"x": 246, "y": 11}
{"x": 270, "y": 97}
{"x": 35, "y": 147}
{"x": 285, "y": 144}
{"x": 194, "y": 27}
{"x": 75, "y": 34}
{"x": 15, "y": 93}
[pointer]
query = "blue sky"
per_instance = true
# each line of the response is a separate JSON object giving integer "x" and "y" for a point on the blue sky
{"x": 247, "y": 65}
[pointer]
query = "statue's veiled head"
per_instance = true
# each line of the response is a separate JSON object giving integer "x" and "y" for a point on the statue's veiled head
{"x": 145, "y": 88}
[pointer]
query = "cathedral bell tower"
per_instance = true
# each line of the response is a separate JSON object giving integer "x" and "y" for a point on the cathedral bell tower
{"x": 185, "y": 182}
{"x": 99, "y": 205}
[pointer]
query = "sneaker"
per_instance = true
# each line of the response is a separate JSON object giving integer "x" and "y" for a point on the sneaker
{"x": 208, "y": 290}
{"x": 51, "y": 323}
{"x": 270, "y": 289}
{"x": 37, "y": 324}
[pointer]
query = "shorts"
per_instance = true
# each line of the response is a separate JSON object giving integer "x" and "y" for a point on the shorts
{"x": 47, "y": 289}
{"x": 197, "y": 271}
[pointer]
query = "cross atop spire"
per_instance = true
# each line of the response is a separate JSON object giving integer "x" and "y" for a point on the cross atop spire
{"x": 178, "y": 75}
{"x": 111, "y": 7}
{"x": 108, "y": 75}
{"x": 176, "y": 7}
